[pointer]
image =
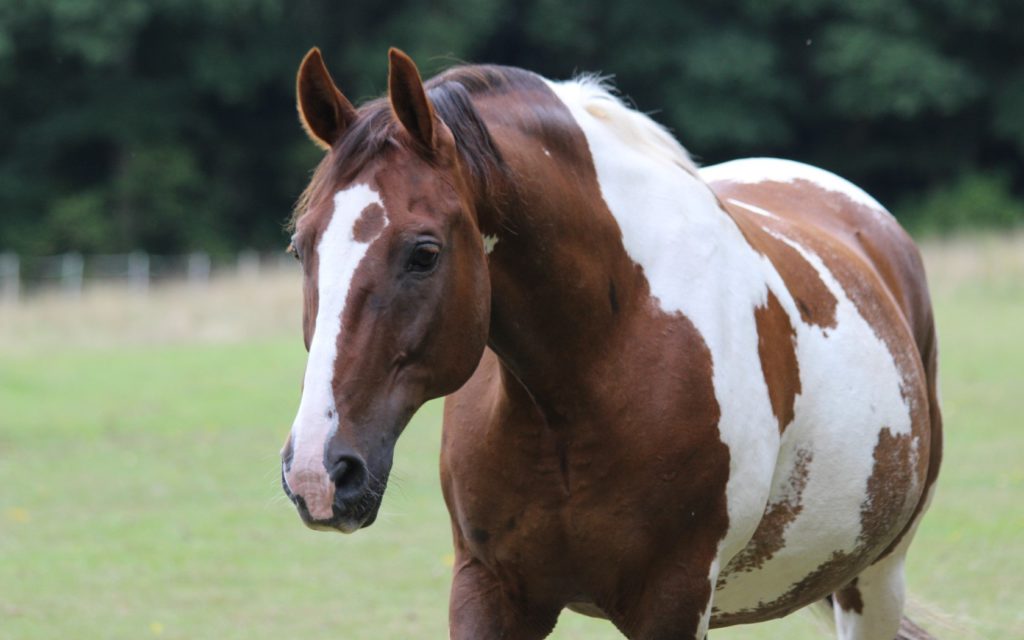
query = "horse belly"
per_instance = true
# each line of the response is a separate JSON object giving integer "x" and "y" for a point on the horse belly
{"x": 848, "y": 476}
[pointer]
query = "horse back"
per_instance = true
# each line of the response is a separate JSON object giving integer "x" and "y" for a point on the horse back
{"x": 834, "y": 214}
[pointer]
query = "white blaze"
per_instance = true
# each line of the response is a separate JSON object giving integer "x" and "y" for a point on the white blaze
{"x": 339, "y": 256}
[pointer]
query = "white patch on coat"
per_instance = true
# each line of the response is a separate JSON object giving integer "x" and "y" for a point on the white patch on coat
{"x": 489, "y": 242}
{"x": 698, "y": 263}
{"x": 339, "y": 256}
{"x": 753, "y": 209}
{"x": 752, "y": 170}
{"x": 850, "y": 391}
{"x": 705, "y": 616}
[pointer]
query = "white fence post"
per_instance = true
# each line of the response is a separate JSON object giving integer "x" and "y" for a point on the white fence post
{"x": 198, "y": 269}
{"x": 138, "y": 271}
{"x": 72, "y": 268}
{"x": 10, "y": 277}
{"x": 65, "y": 272}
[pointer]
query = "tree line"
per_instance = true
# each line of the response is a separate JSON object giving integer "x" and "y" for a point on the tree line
{"x": 169, "y": 125}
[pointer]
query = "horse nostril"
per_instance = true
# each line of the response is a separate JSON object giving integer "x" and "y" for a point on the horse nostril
{"x": 348, "y": 473}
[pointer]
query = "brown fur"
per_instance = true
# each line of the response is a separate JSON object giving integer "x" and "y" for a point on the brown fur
{"x": 558, "y": 433}
{"x": 848, "y": 598}
{"x": 778, "y": 358}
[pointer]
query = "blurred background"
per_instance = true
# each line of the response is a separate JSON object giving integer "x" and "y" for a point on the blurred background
{"x": 169, "y": 126}
{"x": 150, "y": 346}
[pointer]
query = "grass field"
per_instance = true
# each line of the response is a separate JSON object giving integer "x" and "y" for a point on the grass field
{"x": 139, "y": 490}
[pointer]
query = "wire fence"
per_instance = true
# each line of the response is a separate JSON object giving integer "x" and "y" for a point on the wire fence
{"x": 69, "y": 274}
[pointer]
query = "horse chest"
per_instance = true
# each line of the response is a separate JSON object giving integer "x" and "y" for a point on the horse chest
{"x": 579, "y": 518}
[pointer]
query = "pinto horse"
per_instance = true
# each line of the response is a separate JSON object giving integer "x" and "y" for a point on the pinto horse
{"x": 678, "y": 398}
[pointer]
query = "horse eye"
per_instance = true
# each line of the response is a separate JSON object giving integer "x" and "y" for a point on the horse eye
{"x": 424, "y": 257}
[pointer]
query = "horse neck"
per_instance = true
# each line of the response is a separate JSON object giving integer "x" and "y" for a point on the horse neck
{"x": 567, "y": 298}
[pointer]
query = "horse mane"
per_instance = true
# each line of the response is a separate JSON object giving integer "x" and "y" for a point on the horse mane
{"x": 452, "y": 92}
{"x": 635, "y": 129}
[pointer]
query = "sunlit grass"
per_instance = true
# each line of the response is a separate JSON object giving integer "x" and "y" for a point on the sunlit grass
{"x": 139, "y": 488}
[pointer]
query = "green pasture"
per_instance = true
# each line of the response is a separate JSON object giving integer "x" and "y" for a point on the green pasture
{"x": 140, "y": 497}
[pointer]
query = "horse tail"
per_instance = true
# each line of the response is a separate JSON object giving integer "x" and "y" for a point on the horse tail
{"x": 910, "y": 631}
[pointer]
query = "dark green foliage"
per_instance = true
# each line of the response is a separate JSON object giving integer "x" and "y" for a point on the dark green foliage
{"x": 169, "y": 125}
{"x": 974, "y": 201}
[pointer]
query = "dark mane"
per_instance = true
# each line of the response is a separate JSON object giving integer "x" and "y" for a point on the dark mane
{"x": 451, "y": 93}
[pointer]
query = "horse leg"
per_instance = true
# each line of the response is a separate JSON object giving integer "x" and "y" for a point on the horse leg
{"x": 675, "y": 605}
{"x": 871, "y": 606}
{"x": 480, "y": 608}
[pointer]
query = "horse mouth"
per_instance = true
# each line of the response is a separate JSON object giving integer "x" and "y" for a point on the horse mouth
{"x": 340, "y": 523}
{"x": 345, "y": 518}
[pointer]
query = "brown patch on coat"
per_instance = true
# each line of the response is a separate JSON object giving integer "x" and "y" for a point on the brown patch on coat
{"x": 929, "y": 351}
{"x": 887, "y": 499}
{"x": 849, "y": 599}
{"x": 770, "y": 534}
{"x": 865, "y": 250}
{"x": 776, "y": 345}
{"x": 813, "y": 299}
{"x": 369, "y": 223}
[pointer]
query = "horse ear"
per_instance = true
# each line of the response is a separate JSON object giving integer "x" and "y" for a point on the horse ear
{"x": 409, "y": 99}
{"x": 324, "y": 111}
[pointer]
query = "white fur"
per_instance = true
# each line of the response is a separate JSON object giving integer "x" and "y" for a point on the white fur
{"x": 751, "y": 170}
{"x": 753, "y": 209}
{"x": 489, "y": 242}
{"x": 697, "y": 263}
{"x": 339, "y": 255}
{"x": 635, "y": 130}
{"x": 850, "y": 390}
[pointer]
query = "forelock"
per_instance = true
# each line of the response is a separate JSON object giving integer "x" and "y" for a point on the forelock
{"x": 373, "y": 131}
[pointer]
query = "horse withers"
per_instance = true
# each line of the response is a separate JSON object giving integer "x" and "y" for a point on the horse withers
{"x": 678, "y": 398}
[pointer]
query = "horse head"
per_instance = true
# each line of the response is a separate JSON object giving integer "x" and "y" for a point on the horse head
{"x": 396, "y": 288}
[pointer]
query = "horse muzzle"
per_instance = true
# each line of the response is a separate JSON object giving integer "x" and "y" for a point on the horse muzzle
{"x": 337, "y": 495}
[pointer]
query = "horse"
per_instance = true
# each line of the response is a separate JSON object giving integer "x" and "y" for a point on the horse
{"x": 678, "y": 398}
